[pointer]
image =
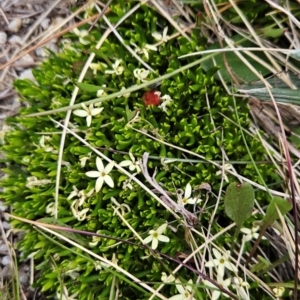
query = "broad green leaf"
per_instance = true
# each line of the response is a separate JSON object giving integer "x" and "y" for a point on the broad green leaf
{"x": 272, "y": 214}
{"x": 239, "y": 202}
{"x": 89, "y": 87}
{"x": 235, "y": 64}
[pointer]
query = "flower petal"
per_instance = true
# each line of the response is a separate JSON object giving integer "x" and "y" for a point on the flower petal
{"x": 230, "y": 266}
{"x": 148, "y": 239}
{"x": 109, "y": 181}
{"x": 221, "y": 270}
{"x": 157, "y": 35}
{"x": 99, "y": 184}
{"x": 154, "y": 243}
{"x": 99, "y": 164}
{"x": 246, "y": 230}
{"x": 161, "y": 228}
{"x": 88, "y": 120}
{"x": 188, "y": 191}
{"x": 217, "y": 254}
{"x": 93, "y": 174}
{"x": 212, "y": 263}
{"x": 96, "y": 111}
{"x": 163, "y": 238}
{"x": 109, "y": 167}
{"x": 80, "y": 113}
{"x": 125, "y": 163}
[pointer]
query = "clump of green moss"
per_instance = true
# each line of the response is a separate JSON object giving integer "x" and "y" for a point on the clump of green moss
{"x": 32, "y": 150}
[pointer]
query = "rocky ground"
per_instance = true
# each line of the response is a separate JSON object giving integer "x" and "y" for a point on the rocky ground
{"x": 24, "y": 25}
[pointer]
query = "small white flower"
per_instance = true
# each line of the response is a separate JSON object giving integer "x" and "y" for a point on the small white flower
{"x": 43, "y": 141}
{"x": 221, "y": 262}
{"x": 124, "y": 95}
{"x": 224, "y": 169}
{"x": 132, "y": 164}
{"x": 251, "y": 233}
{"x": 82, "y": 34}
{"x": 216, "y": 292}
{"x": 156, "y": 235}
{"x": 33, "y": 181}
{"x": 88, "y": 113}
{"x": 95, "y": 240}
{"x": 122, "y": 206}
{"x": 101, "y": 93}
{"x": 241, "y": 286}
{"x": 50, "y": 209}
{"x": 102, "y": 174}
{"x": 80, "y": 215}
{"x": 97, "y": 67}
{"x": 141, "y": 74}
{"x": 84, "y": 159}
{"x": 73, "y": 272}
{"x": 161, "y": 37}
{"x": 185, "y": 293}
{"x": 166, "y": 278}
{"x": 144, "y": 50}
{"x": 187, "y": 196}
{"x": 127, "y": 184}
{"x": 80, "y": 195}
{"x": 279, "y": 291}
{"x": 117, "y": 69}
{"x": 167, "y": 100}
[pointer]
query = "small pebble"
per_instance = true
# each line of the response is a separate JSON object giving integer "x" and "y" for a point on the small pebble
{"x": 3, "y": 207}
{"x": 3, "y": 248}
{"x": 6, "y": 225}
{"x": 6, "y": 260}
{"x": 15, "y": 39}
{"x": 27, "y": 74}
{"x": 15, "y": 25}
{"x": 45, "y": 23}
{"x": 3, "y": 37}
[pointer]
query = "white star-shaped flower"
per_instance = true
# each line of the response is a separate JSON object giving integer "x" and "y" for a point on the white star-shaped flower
{"x": 117, "y": 69}
{"x": 82, "y": 34}
{"x": 156, "y": 235}
{"x": 144, "y": 50}
{"x": 97, "y": 67}
{"x": 141, "y": 74}
{"x": 279, "y": 291}
{"x": 187, "y": 196}
{"x": 50, "y": 209}
{"x": 221, "y": 262}
{"x": 161, "y": 37}
{"x": 251, "y": 233}
{"x": 132, "y": 164}
{"x": 185, "y": 293}
{"x": 102, "y": 174}
{"x": 80, "y": 215}
{"x": 241, "y": 286}
{"x": 88, "y": 113}
{"x": 166, "y": 101}
{"x": 217, "y": 293}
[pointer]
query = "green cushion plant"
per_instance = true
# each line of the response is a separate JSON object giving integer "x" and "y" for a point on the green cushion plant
{"x": 117, "y": 127}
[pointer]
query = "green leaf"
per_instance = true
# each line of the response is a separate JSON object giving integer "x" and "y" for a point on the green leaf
{"x": 239, "y": 202}
{"x": 235, "y": 64}
{"x": 272, "y": 214}
{"x": 89, "y": 87}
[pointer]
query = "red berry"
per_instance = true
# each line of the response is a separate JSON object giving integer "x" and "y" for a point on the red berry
{"x": 151, "y": 98}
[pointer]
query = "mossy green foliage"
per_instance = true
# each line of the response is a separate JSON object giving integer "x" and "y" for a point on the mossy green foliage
{"x": 187, "y": 124}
